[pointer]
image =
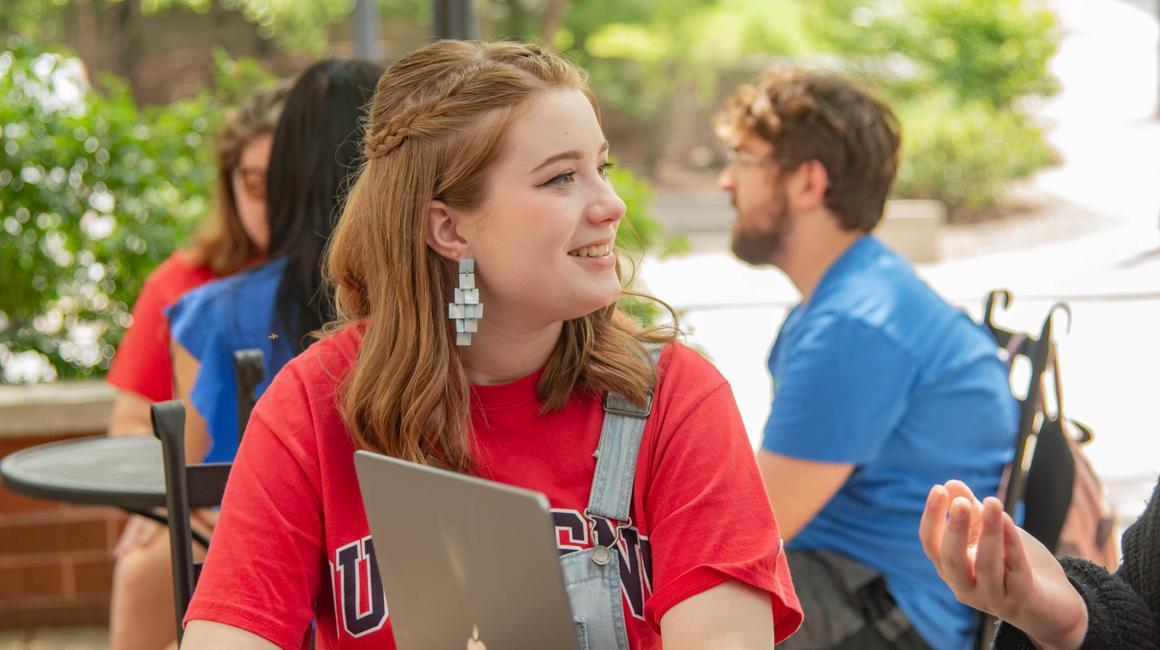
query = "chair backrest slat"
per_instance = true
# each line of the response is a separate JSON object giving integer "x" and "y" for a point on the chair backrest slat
{"x": 206, "y": 484}
{"x": 186, "y": 487}
{"x": 1037, "y": 351}
{"x": 1044, "y": 488}
{"x": 249, "y": 370}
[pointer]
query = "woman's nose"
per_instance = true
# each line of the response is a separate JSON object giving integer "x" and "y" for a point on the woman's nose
{"x": 607, "y": 206}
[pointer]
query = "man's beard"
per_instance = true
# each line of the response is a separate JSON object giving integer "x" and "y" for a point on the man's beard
{"x": 764, "y": 246}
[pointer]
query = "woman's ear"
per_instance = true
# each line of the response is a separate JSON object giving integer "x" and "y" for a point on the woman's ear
{"x": 442, "y": 230}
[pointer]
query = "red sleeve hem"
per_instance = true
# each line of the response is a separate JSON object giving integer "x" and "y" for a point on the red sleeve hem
{"x": 248, "y": 620}
{"x": 786, "y": 617}
{"x": 690, "y": 584}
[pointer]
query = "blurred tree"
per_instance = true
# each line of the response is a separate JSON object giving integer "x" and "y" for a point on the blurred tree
{"x": 94, "y": 193}
{"x": 295, "y": 25}
{"x": 965, "y": 155}
{"x": 959, "y": 72}
{"x": 643, "y": 55}
{"x": 996, "y": 51}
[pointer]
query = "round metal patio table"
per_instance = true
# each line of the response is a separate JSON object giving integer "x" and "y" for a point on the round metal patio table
{"x": 125, "y": 472}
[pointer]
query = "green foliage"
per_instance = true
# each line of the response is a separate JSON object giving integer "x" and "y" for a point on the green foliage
{"x": 296, "y": 25}
{"x": 36, "y": 18}
{"x": 641, "y": 53}
{"x": 304, "y": 25}
{"x": 957, "y": 71}
{"x": 965, "y": 155}
{"x": 640, "y": 233}
{"x": 235, "y": 79}
{"x": 995, "y": 51}
{"x": 94, "y": 193}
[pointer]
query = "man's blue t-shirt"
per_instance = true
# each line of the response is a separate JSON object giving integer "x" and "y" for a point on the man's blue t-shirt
{"x": 876, "y": 370}
{"x": 212, "y": 322}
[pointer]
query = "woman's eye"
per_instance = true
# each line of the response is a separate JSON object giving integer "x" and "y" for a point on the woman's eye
{"x": 562, "y": 179}
{"x": 568, "y": 178}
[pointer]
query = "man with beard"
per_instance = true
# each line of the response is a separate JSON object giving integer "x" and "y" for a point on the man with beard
{"x": 881, "y": 388}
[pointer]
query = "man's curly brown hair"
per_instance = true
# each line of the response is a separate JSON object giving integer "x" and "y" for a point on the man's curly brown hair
{"x": 810, "y": 115}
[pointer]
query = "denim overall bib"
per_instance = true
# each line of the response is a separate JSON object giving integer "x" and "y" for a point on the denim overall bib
{"x": 592, "y": 576}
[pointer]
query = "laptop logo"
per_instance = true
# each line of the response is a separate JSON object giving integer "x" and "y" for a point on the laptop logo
{"x": 474, "y": 643}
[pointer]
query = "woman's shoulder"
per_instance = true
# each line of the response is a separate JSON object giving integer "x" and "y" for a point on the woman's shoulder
{"x": 685, "y": 381}
{"x": 180, "y": 265}
{"x": 313, "y": 379}
{"x": 177, "y": 275}
{"x": 258, "y": 278}
{"x": 228, "y": 310}
{"x": 326, "y": 363}
{"x": 224, "y": 294}
{"x": 680, "y": 366}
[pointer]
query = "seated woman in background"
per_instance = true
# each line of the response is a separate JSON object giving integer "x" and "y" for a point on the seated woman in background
{"x": 486, "y": 177}
{"x": 315, "y": 146}
{"x": 230, "y": 239}
{"x": 274, "y": 308}
{"x": 233, "y": 237}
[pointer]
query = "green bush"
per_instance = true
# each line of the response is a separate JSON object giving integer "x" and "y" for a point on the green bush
{"x": 94, "y": 193}
{"x": 640, "y": 233}
{"x": 956, "y": 71}
{"x": 644, "y": 56}
{"x": 995, "y": 51}
{"x": 965, "y": 154}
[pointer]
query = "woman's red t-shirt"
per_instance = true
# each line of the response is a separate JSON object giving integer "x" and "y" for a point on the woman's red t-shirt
{"x": 142, "y": 364}
{"x": 293, "y": 545}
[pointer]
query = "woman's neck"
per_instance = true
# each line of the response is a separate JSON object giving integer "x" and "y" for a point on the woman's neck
{"x": 499, "y": 354}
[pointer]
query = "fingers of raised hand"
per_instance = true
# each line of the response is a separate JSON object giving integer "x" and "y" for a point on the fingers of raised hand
{"x": 957, "y": 489}
{"x": 934, "y": 521}
{"x": 990, "y": 566}
{"x": 956, "y": 550}
{"x": 1017, "y": 568}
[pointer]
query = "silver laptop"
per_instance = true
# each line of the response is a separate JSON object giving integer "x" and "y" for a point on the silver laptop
{"x": 465, "y": 562}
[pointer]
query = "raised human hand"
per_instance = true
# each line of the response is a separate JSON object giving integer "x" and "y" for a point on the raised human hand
{"x": 993, "y": 565}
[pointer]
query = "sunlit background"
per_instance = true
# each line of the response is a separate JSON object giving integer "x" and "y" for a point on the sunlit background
{"x": 1031, "y": 161}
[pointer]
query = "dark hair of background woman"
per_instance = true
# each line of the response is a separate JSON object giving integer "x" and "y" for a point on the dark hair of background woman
{"x": 316, "y": 154}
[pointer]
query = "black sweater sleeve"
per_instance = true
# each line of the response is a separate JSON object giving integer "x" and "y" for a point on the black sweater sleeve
{"x": 1122, "y": 607}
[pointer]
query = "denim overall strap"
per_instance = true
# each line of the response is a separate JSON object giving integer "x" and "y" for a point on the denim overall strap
{"x": 592, "y": 576}
{"x": 616, "y": 456}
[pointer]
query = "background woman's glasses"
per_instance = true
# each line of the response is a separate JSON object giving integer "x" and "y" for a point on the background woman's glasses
{"x": 253, "y": 180}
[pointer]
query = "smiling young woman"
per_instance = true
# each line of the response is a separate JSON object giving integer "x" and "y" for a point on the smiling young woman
{"x": 494, "y": 153}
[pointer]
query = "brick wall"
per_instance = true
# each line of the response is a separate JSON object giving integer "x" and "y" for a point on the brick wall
{"x": 55, "y": 558}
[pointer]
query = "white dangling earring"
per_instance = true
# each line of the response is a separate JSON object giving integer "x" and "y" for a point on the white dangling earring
{"x": 466, "y": 310}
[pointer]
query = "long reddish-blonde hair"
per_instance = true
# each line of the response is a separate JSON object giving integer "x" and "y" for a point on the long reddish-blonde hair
{"x": 436, "y": 124}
